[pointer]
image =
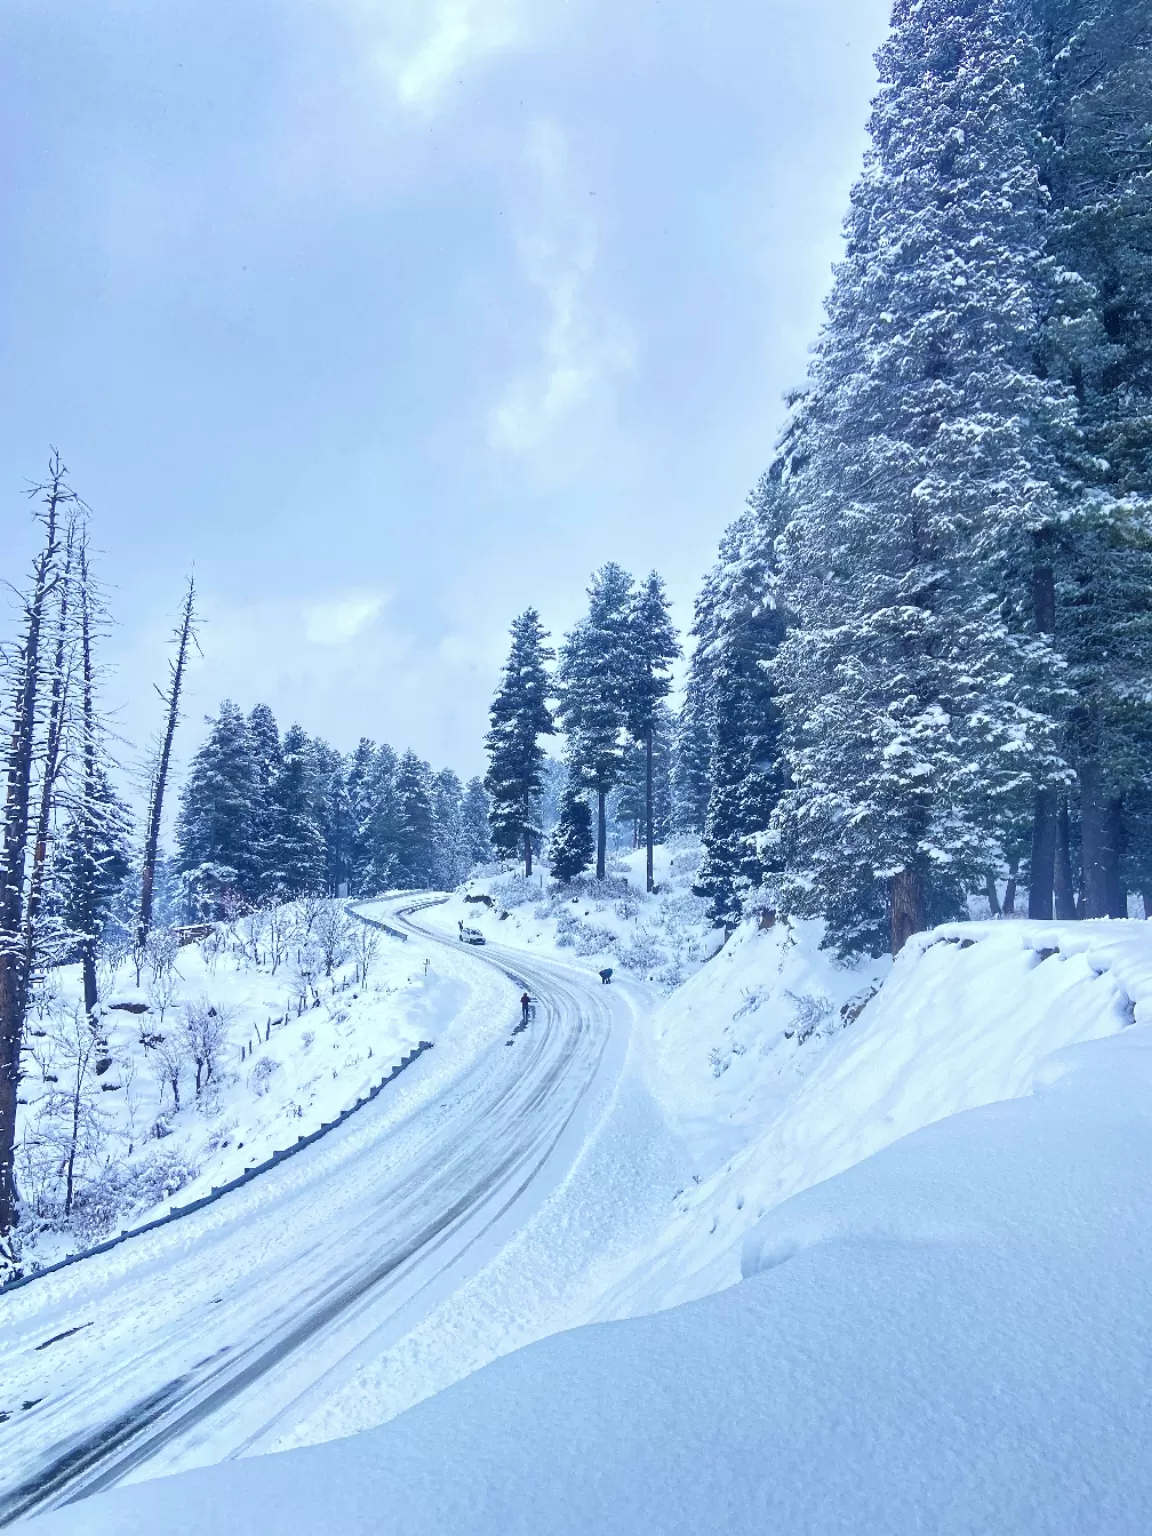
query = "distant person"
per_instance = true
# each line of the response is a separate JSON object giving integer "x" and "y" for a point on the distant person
{"x": 525, "y": 1004}
{"x": 606, "y": 975}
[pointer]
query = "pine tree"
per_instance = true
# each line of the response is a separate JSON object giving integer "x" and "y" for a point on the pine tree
{"x": 217, "y": 828}
{"x": 1099, "y": 564}
{"x": 653, "y": 645}
{"x": 334, "y": 812}
{"x": 475, "y": 832}
{"x": 519, "y": 717}
{"x": 93, "y": 861}
{"x": 451, "y": 861}
{"x": 295, "y": 852}
{"x": 264, "y": 737}
{"x": 570, "y": 849}
{"x": 381, "y": 829}
{"x": 691, "y": 755}
{"x": 594, "y": 680}
{"x": 739, "y": 629}
{"x": 358, "y": 792}
{"x": 923, "y": 462}
{"x": 415, "y": 826}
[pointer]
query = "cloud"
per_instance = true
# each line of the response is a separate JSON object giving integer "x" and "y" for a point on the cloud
{"x": 339, "y": 620}
{"x": 580, "y": 350}
{"x": 417, "y": 47}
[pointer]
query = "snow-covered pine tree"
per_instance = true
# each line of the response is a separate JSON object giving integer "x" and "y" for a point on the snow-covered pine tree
{"x": 334, "y": 812}
{"x": 415, "y": 826}
{"x": 358, "y": 789}
{"x": 691, "y": 756}
{"x": 381, "y": 829}
{"x": 450, "y": 860}
{"x": 739, "y": 629}
{"x": 922, "y": 465}
{"x": 295, "y": 851}
{"x": 653, "y": 645}
{"x": 217, "y": 826}
{"x": 264, "y": 735}
{"x": 519, "y": 717}
{"x": 475, "y": 832}
{"x": 1100, "y": 172}
{"x": 593, "y": 681}
{"x": 570, "y": 847}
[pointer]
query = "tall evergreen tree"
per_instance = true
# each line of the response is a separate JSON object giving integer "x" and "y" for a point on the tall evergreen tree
{"x": 217, "y": 827}
{"x": 691, "y": 755}
{"x": 594, "y": 679}
{"x": 922, "y": 465}
{"x": 740, "y": 627}
{"x": 653, "y": 645}
{"x": 415, "y": 824}
{"x": 295, "y": 852}
{"x": 358, "y": 793}
{"x": 1098, "y": 562}
{"x": 519, "y": 718}
{"x": 264, "y": 737}
{"x": 475, "y": 832}
{"x": 381, "y": 830}
{"x": 451, "y": 861}
{"x": 334, "y": 813}
{"x": 570, "y": 849}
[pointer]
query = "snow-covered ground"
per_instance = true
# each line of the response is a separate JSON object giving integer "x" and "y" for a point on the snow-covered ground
{"x": 661, "y": 938}
{"x": 952, "y": 1336}
{"x": 917, "y": 1323}
{"x": 306, "y": 1010}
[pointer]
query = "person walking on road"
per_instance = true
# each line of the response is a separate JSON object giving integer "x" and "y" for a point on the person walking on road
{"x": 525, "y": 1004}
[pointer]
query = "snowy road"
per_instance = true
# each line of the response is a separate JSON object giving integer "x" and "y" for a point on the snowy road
{"x": 211, "y": 1337}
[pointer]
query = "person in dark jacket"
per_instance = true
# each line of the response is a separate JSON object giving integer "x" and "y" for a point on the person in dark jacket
{"x": 525, "y": 1004}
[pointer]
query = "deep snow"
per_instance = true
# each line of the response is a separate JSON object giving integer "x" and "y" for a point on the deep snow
{"x": 952, "y": 1336}
{"x": 894, "y": 1294}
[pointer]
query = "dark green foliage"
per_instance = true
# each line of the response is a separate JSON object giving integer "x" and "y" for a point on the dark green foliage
{"x": 415, "y": 824}
{"x": 519, "y": 718}
{"x": 295, "y": 853}
{"x": 219, "y": 822}
{"x": 570, "y": 849}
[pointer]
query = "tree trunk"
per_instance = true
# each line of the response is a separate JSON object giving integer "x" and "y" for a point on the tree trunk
{"x": 993, "y": 896}
{"x": 527, "y": 851}
{"x": 1117, "y": 890}
{"x": 1065, "y": 891}
{"x": 1042, "y": 876}
{"x": 185, "y": 635}
{"x": 1010, "y": 893}
{"x": 16, "y": 827}
{"x": 88, "y": 968}
{"x": 649, "y": 828}
{"x": 1100, "y": 822}
{"x": 907, "y": 906}
{"x": 601, "y": 832}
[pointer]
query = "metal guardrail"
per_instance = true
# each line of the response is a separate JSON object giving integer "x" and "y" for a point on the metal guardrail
{"x": 218, "y": 1193}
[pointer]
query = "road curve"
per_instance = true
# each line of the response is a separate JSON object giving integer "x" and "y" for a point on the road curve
{"x": 209, "y": 1337}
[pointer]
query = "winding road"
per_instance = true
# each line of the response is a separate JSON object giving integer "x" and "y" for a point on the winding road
{"x": 209, "y": 1337}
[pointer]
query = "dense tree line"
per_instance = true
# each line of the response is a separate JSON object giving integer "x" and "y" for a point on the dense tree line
{"x": 270, "y": 817}
{"x": 922, "y": 660}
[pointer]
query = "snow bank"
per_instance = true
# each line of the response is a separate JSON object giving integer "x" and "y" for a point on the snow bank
{"x": 952, "y": 1336}
{"x": 969, "y": 1015}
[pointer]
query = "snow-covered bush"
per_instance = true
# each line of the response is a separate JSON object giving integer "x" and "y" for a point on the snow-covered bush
{"x": 261, "y": 1074}
{"x": 122, "y": 1188}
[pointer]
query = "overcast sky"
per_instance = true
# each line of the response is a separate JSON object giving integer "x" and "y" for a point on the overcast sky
{"x": 393, "y": 317}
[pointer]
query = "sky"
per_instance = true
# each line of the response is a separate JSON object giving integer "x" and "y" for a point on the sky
{"x": 390, "y": 318}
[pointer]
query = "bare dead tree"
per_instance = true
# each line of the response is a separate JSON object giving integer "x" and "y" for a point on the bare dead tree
{"x": 27, "y": 667}
{"x": 184, "y": 638}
